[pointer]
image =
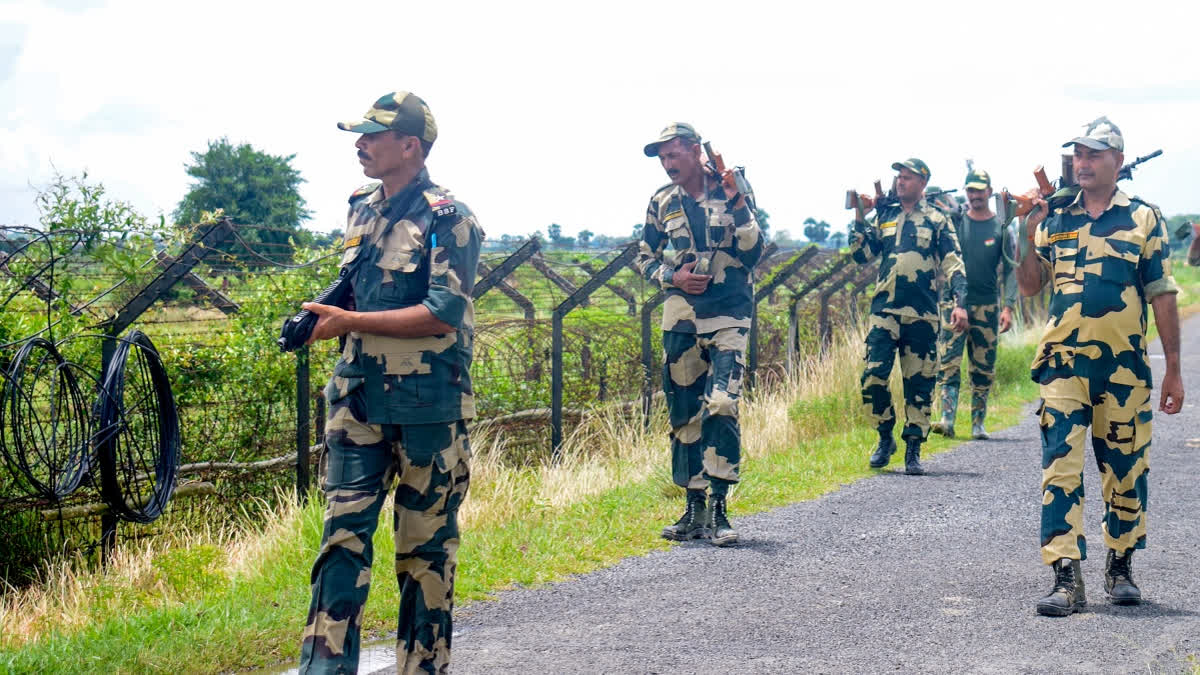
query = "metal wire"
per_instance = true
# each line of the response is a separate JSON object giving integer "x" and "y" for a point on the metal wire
{"x": 139, "y": 451}
{"x": 44, "y": 422}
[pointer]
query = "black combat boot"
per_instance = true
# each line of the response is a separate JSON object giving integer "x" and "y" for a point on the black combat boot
{"x": 722, "y": 532}
{"x": 693, "y": 523}
{"x": 1118, "y": 579}
{"x": 1067, "y": 596}
{"x": 883, "y": 452}
{"x": 912, "y": 457}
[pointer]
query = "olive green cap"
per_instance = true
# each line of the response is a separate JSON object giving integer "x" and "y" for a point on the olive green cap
{"x": 913, "y": 164}
{"x": 399, "y": 111}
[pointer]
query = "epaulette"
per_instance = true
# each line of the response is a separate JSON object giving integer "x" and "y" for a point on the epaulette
{"x": 364, "y": 191}
{"x": 1153, "y": 207}
{"x": 662, "y": 189}
{"x": 441, "y": 202}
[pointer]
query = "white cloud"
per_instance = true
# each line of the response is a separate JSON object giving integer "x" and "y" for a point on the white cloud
{"x": 543, "y": 107}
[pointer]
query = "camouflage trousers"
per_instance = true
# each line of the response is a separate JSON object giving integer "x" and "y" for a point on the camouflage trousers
{"x": 430, "y": 464}
{"x": 980, "y": 340}
{"x": 916, "y": 341}
{"x": 702, "y": 378}
{"x": 1119, "y": 416}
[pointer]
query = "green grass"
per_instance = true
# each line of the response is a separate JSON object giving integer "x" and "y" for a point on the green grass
{"x": 254, "y": 619}
{"x": 216, "y": 621}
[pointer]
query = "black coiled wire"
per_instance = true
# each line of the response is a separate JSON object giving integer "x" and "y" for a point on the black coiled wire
{"x": 45, "y": 422}
{"x": 137, "y": 438}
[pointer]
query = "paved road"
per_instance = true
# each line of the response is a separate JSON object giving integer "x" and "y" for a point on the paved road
{"x": 893, "y": 573}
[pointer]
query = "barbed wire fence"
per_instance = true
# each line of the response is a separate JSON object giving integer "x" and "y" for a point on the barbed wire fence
{"x": 558, "y": 335}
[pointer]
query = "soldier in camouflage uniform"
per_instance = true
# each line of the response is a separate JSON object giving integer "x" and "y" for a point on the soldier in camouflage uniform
{"x": 399, "y": 397}
{"x": 708, "y": 282}
{"x": 913, "y": 241}
{"x": 983, "y": 240}
{"x": 1107, "y": 257}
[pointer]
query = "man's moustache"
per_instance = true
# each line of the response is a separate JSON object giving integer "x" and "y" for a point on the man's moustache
{"x": 363, "y": 155}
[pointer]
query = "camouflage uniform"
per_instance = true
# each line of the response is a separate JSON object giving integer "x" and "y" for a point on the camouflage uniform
{"x": 912, "y": 248}
{"x": 704, "y": 335}
{"x": 1093, "y": 370}
{"x": 397, "y": 411}
{"x": 983, "y": 244}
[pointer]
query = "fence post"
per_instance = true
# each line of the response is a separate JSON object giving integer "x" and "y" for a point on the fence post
{"x": 556, "y": 346}
{"x": 780, "y": 275}
{"x": 302, "y": 424}
{"x": 500, "y": 272}
{"x": 824, "y": 327}
{"x": 169, "y": 275}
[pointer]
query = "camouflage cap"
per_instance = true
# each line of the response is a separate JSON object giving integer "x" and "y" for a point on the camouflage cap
{"x": 1100, "y": 134}
{"x": 978, "y": 179}
{"x": 399, "y": 111}
{"x": 676, "y": 130}
{"x": 913, "y": 164}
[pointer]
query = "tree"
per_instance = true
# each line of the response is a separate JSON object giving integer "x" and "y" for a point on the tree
{"x": 816, "y": 231}
{"x": 585, "y": 237}
{"x": 253, "y": 188}
{"x": 764, "y": 219}
{"x": 637, "y": 231}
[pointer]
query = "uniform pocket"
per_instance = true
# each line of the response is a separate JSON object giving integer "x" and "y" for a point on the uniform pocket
{"x": 1120, "y": 261}
{"x": 924, "y": 235}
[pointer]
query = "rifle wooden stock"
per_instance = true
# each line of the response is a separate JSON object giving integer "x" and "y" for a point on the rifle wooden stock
{"x": 718, "y": 162}
{"x": 1043, "y": 183}
{"x": 1025, "y": 201}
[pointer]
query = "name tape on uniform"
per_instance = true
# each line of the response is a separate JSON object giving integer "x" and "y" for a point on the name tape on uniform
{"x": 1063, "y": 236}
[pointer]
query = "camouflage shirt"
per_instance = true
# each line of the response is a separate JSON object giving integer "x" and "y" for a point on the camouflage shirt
{"x": 725, "y": 242}
{"x": 912, "y": 248}
{"x": 418, "y": 247}
{"x": 1103, "y": 271}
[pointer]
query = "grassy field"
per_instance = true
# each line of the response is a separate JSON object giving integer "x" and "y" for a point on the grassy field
{"x": 235, "y": 597}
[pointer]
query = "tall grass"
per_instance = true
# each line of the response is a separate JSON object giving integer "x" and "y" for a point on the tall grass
{"x": 237, "y": 596}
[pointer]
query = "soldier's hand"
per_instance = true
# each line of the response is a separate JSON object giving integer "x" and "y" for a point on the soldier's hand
{"x": 1040, "y": 210}
{"x": 958, "y": 320}
{"x": 1006, "y": 319}
{"x": 331, "y": 321}
{"x": 729, "y": 183}
{"x": 1170, "y": 400}
{"x": 692, "y": 284}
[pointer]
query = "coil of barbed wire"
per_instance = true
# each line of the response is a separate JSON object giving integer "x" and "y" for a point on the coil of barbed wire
{"x": 138, "y": 436}
{"x": 45, "y": 422}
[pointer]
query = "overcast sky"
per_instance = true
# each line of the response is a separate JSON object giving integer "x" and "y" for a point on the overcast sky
{"x": 543, "y": 108}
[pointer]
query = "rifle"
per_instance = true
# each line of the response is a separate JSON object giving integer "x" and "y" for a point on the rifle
{"x": 735, "y": 180}
{"x": 861, "y": 203}
{"x": 1066, "y": 191}
{"x": 299, "y": 328}
{"x": 892, "y": 200}
{"x": 1126, "y": 172}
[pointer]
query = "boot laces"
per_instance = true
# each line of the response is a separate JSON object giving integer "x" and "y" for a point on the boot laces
{"x": 1121, "y": 567}
{"x": 720, "y": 520}
{"x": 1064, "y": 577}
{"x": 689, "y": 514}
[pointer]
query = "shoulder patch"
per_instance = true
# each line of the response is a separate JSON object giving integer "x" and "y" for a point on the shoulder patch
{"x": 364, "y": 191}
{"x": 440, "y": 201}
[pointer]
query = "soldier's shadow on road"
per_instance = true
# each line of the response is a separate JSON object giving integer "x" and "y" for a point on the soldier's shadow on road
{"x": 769, "y": 547}
{"x": 1148, "y": 608}
{"x": 931, "y": 473}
